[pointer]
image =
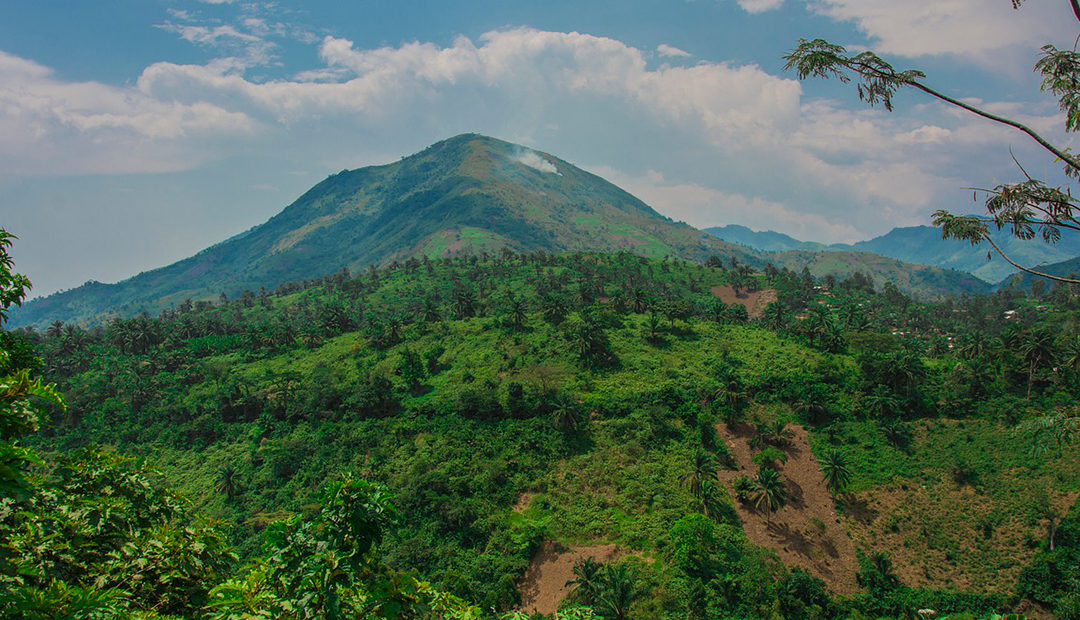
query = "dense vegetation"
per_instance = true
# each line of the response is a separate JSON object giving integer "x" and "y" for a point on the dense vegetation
{"x": 435, "y": 421}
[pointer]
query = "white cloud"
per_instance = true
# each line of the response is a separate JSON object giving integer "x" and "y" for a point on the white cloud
{"x": 705, "y": 207}
{"x": 760, "y": 6}
{"x": 923, "y": 135}
{"x": 670, "y": 51}
{"x": 746, "y": 146}
{"x": 962, "y": 27}
{"x": 62, "y": 127}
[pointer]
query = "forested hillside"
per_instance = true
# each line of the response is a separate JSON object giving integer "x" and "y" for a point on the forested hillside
{"x": 604, "y": 405}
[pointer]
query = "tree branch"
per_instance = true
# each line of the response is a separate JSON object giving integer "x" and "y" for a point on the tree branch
{"x": 1001, "y": 119}
{"x": 1027, "y": 269}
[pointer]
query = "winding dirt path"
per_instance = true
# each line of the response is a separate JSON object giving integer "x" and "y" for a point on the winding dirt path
{"x": 806, "y": 532}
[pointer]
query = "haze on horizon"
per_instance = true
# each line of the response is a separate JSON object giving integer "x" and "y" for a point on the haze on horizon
{"x": 135, "y": 134}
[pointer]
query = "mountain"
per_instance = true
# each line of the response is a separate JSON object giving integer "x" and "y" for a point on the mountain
{"x": 1066, "y": 269}
{"x": 467, "y": 194}
{"x": 766, "y": 240}
{"x": 923, "y": 245}
{"x": 924, "y": 282}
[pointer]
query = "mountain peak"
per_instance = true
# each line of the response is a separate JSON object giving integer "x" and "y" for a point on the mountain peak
{"x": 467, "y": 194}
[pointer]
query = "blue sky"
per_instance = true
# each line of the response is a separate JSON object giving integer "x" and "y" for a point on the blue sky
{"x": 134, "y": 133}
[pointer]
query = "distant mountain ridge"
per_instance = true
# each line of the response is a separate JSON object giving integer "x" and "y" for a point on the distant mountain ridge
{"x": 922, "y": 245}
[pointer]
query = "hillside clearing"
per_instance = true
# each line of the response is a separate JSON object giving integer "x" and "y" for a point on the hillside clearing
{"x": 754, "y": 302}
{"x": 547, "y": 580}
{"x": 807, "y": 531}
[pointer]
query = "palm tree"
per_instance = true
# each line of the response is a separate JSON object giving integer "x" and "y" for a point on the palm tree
{"x": 587, "y": 580}
{"x": 1036, "y": 346}
{"x": 640, "y": 300}
{"x": 1052, "y": 431}
{"x": 771, "y": 494}
{"x": 732, "y": 397}
{"x": 517, "y": 313}
{"x": 652, "y": 328}
{"x": 711, "y": 502}
{"x": 55, "y": 330}
{"x": 464, "y": 303}
{"x": 227, "y": 482}
{"x": 702, "y": 469}
{"x": 774, "y": 433}
{"x": 619, "y": 592}
{"x": 431, "y": 311}
{"x": 837, "y": 474}
{"x": 565, "y": 412}
{"x": 818, "y": 324}
{"x": 775, "y": 316}
{"x": 553, "y": 307}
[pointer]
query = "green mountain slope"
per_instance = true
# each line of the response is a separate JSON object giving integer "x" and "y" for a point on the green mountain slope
{"x": 467, "y": 194}
{"x": 1066, "y": 269}
{"x": 918, "y": 244}
{"x": 919, "y": 281}
{"x": 765, "y": 240}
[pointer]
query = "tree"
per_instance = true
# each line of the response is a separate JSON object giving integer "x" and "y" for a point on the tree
{"x": 516, "y": 313}
{"x": 703, "y": 468}
{"x": 565, "y": 413}
{"x": 411, "y": 369}
{"x": 1036, "y": 347}
{"x": 770, "y": 494}
{"x": 1052, "y": 431}
{"x": 775, "y": 316}
{"x": 586, "y": 581}
{"x": 651, "y": 329}
{"x": 1028, "y": 208}
{"x": 609, "y": 589}
{"x": 22, "y": 397}
{"x": 13, "y": 286}
{"x": 619, "y": 592}
{"x": 228, "y": 481}
{"x": 835, "y": 467}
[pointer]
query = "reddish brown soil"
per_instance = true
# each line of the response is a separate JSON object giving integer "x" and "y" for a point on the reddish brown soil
{"x": 806, "y": 532}
{"x": 753, "y": 302}
{"x": 546, "y": 581}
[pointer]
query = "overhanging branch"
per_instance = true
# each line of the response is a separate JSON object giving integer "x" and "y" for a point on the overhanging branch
{"x": 1028, "y": 269}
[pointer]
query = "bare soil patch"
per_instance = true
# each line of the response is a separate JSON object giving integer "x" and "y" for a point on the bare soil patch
{"x": 546, "y": 581}
{"x": 806, "y": 532}
{"x": 754, "y": 302}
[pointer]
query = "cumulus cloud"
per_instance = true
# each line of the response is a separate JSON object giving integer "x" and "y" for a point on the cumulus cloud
{"x": 55, "y": 126}
{"x": 760, "y": 6}
{"x": 670, "y": 51}
{"x": 748, "y": 146}
{"x": 962, "y": 27}
{"x": 703, "y": 207}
